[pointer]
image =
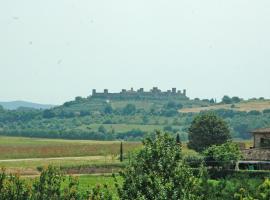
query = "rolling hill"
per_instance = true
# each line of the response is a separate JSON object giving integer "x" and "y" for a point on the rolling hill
{"x": 13, "y": 105}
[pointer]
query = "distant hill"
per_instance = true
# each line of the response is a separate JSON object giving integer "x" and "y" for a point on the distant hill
{"x": 12, "y": 105}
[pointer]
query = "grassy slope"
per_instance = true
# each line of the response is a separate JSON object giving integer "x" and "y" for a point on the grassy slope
{"x": 247, "y": 106}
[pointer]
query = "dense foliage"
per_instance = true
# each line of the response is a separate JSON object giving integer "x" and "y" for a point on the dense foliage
{"x": 224, "y": 156}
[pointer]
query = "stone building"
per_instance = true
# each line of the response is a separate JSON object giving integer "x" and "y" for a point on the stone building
{"x": 261, "y": 138}
{"x": 261, "y": 146}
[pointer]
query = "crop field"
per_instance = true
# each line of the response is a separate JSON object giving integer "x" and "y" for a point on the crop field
{"x": 19, "y": 147}
{"x": 242, "y": 106}
{"x": 25, "y": 155}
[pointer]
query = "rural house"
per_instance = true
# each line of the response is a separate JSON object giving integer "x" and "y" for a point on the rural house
{"x": 258, "y": 157}
{"x": 261, "y": 138}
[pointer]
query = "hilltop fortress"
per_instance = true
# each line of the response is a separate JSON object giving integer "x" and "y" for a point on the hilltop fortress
{"x": 154, "y": 94}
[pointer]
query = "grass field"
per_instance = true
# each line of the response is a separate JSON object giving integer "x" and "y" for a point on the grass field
{"x": 247, "y": 106}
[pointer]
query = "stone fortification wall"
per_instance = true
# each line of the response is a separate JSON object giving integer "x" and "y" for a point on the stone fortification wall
{"x": 154, "y": 93}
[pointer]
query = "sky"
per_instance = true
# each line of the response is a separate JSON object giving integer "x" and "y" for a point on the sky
{"x": 52, "y": 51}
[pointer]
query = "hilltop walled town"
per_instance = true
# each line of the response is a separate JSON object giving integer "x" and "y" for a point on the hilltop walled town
{"x": 154, "y": 93}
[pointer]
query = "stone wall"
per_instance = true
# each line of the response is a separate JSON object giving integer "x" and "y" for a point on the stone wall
{"x": 140, "y": 94}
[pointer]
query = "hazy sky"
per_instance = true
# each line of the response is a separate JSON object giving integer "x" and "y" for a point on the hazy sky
{"x": 54, "y": 50}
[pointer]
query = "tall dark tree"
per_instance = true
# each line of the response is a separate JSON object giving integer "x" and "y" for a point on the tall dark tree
{"x": 178, "y": 141}
{"x": 121, "y": 152}
{"x": 206, "y": 130}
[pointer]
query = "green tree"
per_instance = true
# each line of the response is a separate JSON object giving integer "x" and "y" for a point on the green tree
{"x": 102, "y": 129}
{"x": 236, "y": 99}
{"x": 108, "y": 109}
{"x": 49, "y": 184}
{"x": 145, "y": 119}
{"x": 157, "y": 172}
{"x": 48, "y": 114}
{"x": 226, "y": 99}
{"x": 129, "y": 109}
{"x": 206, "y": 130}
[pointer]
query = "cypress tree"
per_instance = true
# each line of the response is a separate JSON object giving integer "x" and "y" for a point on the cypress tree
{"x": 178, "y": 141}
{"x": 121, "y": 152}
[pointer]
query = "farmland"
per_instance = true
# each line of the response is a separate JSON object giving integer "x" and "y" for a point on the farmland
{"x": 25, "y": 155}
{"x": 19, "y": 147}
{"x": 245, "y": 106}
